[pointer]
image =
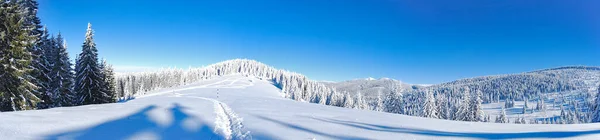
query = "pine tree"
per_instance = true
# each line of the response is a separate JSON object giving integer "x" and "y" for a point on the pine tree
{"x": 109, "y": 83}
{"x": 88, "y": 81}
{"x": 393, "y": 102}
{"x": 16, "y": 90}
{"x": 464, "y": 113}
{"x": 429, "y": 108}
{"x": 502, "y": 118}
{"x": 442, "y": 107}
{"x": 563, "y": 115}
{"x": 476, "y": 108}
{"x": 525, "y": 106}
{"x": 348, "y": 101}
{"x": 596, "y": 110}
{"x": 379, "y": 102}
{"x": 62, "y": 75}
{"x": 41, "y": 68}
{"x": 360, "y": 103}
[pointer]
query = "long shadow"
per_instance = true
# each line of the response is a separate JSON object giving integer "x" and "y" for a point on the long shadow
{"x": 140, "y": 122}
{"x": 297, "y": 127}
{"x": 480, "y": 135}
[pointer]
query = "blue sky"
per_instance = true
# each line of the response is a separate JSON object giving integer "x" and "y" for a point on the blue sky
{"x": 416, "y": 41}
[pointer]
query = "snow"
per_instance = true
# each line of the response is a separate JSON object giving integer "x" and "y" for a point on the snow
{"x": 249, "y": 108}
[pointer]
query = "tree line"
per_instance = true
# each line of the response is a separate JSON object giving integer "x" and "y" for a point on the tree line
{"x": 461, "y": 102}
{"x": 35, "y": 69}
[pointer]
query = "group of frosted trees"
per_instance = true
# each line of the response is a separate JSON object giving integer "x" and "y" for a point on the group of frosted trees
{"x": 294, "y": 85}
{"x": 35, "y": 69}
{"x": 448, "y": 101}
{"x": 298, "y": 87}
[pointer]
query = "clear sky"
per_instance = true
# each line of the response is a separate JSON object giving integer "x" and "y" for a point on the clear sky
{"x": 416, "y": 41}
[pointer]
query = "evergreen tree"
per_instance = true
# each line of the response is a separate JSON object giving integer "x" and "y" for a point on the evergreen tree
{"x": 464, "y": 113}
{"x": 360, "y": 103}
{"x": 62, "y": 75}
{"x": 563, "y": 115}
{"x": 502, "y": 118}
{"x": 41, "y": 68}
{"x": 442, "y": 107}
{"x": 429, "y": 108}
{"x": 596, "y": 108}
{"x": 525, "y": 106}
{"x": 379, "y": 102}
{"x": 393, "y": 102}
{"x": 109, "y": 83}
{"x": 348, "y": 101}
{"x": 476, "y": 109}
{"x": 16, "y": 89}
{"x": 88, "y": 79}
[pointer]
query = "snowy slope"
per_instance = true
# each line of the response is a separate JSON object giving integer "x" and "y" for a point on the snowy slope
{"x": 238, "y": 107}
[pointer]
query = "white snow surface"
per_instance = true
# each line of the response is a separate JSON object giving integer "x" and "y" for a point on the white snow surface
{"x": 238, "y": 107}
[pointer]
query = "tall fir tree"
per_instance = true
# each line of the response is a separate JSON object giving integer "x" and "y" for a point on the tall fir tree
{"x": 525, "y": 106}
{"x": 429, "y": 107}
{"x": 378, "y": 102}
{"x": 40, "y": 63}
{"x": 16, "y": 90}
{"x": 88, "y": 79}
{"x": 393, "y": 102}
{"x": 109, "y": 82}
{"x": 463, "y": 113}
{"x": 41, "y": 68}
{"x": 62, "y": 75}
{"x": 595, "y": 116}
{"x": 476, "y": 109}
{"x": 502, "y": 118}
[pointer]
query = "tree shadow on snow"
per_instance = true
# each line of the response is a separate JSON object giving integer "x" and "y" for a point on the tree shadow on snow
{"x": 479, "y": 135}
{"x": 140, "y": 123}
{"x": 300, "y": 128}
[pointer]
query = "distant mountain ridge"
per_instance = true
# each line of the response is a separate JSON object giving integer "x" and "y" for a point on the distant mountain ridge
{"x": 513, "y": 85}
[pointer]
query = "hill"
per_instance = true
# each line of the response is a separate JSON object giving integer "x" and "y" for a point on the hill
{"x": 240, "y": 107}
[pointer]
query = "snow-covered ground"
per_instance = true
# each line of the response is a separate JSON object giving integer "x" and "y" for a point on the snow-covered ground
{"x": 237, "y": 107}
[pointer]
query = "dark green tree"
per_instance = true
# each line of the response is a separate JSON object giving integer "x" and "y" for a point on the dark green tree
{"x": 16, "y": 91}
{"x": 62, "y": 75}
{"x": 88, "y": 79}
{"x": 109, "y": 83}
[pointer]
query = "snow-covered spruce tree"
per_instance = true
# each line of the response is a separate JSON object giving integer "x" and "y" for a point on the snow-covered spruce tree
{"x": 360, "y": 103}
{"x": 378, "y": 103}
{"x": 16, "y": 90}
{"x": 41, "y": 64}
{"x": 88, "y": 80}
{"x": 348, "y": 101}
{"x": 463, "y": 113}
{"x": 108, "y": 81}
{"x": 429, "y": 108}
{"x": 40, "y": 69}
{"x": 563, "y": 115}
{"x": 502, "y": 118}
{"x": 525, "y": 106}
{"x": 576, "y": 115}
{"x": 541, "y": 106}
{"x": 62, "y": 75}
{"x": 476, "y": 110}
{"x": 595, "y": 116}
{"x": 393, "y": 102}
{"x": 442, "y": 107}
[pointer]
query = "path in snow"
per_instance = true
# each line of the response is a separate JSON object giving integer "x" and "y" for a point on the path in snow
{"x": 226, "y": 121}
